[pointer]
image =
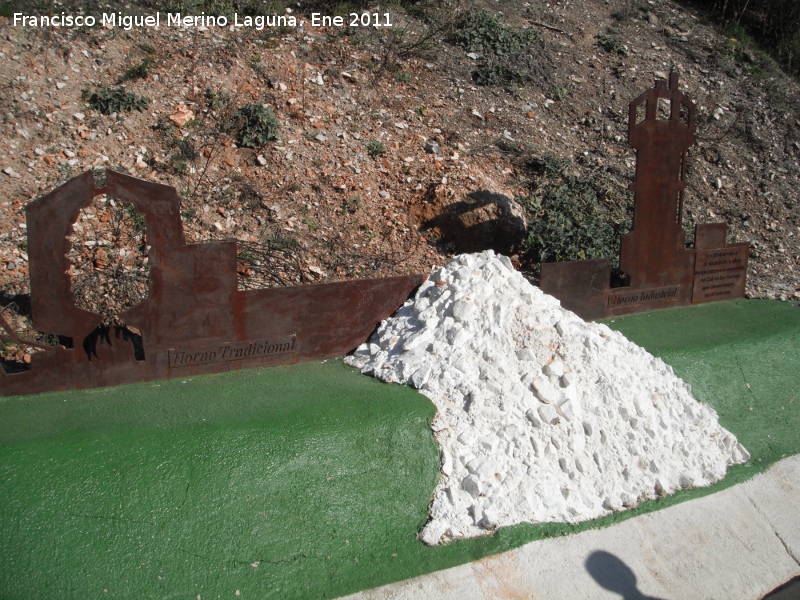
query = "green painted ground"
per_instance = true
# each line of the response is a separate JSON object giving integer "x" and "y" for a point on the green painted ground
{"x": 307, "y": 481}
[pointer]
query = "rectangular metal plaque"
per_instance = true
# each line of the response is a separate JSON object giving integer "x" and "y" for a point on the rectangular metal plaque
{"x": 720, "y": 273}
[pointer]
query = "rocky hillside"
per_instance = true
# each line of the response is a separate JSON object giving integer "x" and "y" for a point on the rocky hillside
{"x": 339, "y": 152}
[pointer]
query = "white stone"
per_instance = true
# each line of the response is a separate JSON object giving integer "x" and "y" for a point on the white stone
{"x": 447, "y": 464}
{"x": 548, "y": 414}
{"x": 554, "y": 369}
{"x": 545, "y": 391}
{"x": 472, "y": 485}
{"x": 533, "y": 417}
{"x": 463, "y": 310}
{"x": 542, "y": 417}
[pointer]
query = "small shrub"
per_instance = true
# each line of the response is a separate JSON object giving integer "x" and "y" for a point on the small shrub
{"x": 279, "y": 242}
{"x": 491, "y": 75}
{"x": 165, "y": 128}
{"x": 402, "y": 76}
{"x": 216, "y": 99}
{"x": 374, "y": 148}
{"x": 177, "y": 163}
{"x": 187, "y": 149}
{"x": 250, "y": 196}
{"x": 116, "y": 100}
{"x": 139, "y": 71}
{"x": 256, "y": 125}
{"x": 353, "y": 204}
{"x": 508, "y": 146}
{"x": 367, "y": 231}
{"x": 612, "y": 44}
{"x": 482, "y": 32}
{"x": 246, "y": 255}
{"x": 508, "y": 56}
{"x": 571, "y": 216}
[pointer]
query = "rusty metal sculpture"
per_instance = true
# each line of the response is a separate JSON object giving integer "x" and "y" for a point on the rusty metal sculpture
{"x": 194, "y": 320}
{"x": 661, "y": 271}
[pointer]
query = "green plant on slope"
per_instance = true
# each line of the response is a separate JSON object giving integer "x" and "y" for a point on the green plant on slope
{"x": 115, "y": 100}
{"x": 612, "y": 45}
{"x": 508, "y": 56}
{"x": 482, "y": 32}
{"x": 374, "y": 148}
{"x": 135, "y": 72}
{"x": 255, "y": 125}
{"x": 572, "y": 216}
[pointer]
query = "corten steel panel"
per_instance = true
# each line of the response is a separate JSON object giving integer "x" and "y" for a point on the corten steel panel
{"x": 661, "y": 270}
{"x": 194, "y": 319}
{"x": 653, "y": 254}
{"x": 327, "y": 319}
{"x": 720, "y": 268}
{"x": 581, "y": 285}
{"x": 49, "y": 222}
{"x": 710, "y": 235}
{"x": 193, "y": 297}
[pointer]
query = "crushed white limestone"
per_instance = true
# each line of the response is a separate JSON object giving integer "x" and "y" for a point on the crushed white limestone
{"x": 541, "y": 416}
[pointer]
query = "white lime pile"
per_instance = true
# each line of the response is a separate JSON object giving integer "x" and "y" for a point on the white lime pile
{"x": 541, "y": 415}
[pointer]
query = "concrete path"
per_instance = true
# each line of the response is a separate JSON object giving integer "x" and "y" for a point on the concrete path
{"x": 738, "y": 544}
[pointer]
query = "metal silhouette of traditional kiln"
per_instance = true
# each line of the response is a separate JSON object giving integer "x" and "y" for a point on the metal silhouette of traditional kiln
{"x": 661, "y": 271}
{"x": 194, "y": 320}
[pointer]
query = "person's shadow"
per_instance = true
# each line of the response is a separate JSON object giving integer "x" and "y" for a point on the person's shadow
{"x": 614, "y": 575}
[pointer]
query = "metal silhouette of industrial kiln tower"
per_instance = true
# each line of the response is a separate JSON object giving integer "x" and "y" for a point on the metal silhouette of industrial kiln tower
{"x": 661, "y": 145}
{"x": 660, "y": 271}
